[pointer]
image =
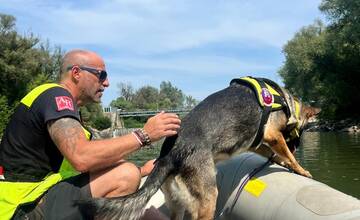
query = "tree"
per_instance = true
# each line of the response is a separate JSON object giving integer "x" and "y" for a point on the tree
{"x": 172, "y": 97}
{"x": 190, "y": 102}
{"x": 343, "y": 55}
{"x": 25, "y": 63}
{"x": 101, "y": 122}
{"x": 146, "y": 98}
{"x": 300, "y": 73}
{"x": 150, "y": 98}
{"x": 323, "y": 63}
{"x": 5, "y": 112}
{"x": 126, "y": 91}
{"x": 122, "y": 104}
{"x": 92, "y": 115}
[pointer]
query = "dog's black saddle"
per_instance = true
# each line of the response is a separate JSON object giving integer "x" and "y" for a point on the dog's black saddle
{"x": 269, "y": 95}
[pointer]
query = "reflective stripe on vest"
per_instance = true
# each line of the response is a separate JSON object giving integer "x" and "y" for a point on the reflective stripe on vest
{"x": 31, "y": 96}
{"x": 257, "y": 87}
{"x": 12, "y": 194}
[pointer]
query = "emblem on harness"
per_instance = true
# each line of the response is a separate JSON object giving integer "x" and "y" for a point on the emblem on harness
{"x": 267, "y": 97}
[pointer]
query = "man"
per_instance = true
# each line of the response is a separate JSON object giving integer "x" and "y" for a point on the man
{"x": 46, "y": 127}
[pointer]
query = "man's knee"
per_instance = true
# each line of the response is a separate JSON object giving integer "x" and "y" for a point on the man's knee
{"x": 120, "y": 180}
{"x": 128, "y": 176}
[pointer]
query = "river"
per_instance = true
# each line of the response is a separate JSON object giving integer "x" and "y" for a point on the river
{"x": 332, "y": 158}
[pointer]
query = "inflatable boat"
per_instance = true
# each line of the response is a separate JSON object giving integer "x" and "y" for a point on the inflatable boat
{"x": 252, "y": 188}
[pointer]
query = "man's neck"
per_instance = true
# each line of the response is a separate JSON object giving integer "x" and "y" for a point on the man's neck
{"x": 73, "y": 91}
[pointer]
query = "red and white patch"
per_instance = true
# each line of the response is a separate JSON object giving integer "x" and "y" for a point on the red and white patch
{"x": 268, "y": 98}
{"x": 64, "y": 102}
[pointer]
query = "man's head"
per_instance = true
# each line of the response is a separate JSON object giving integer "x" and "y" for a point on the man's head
{"x": 83, "y": 72}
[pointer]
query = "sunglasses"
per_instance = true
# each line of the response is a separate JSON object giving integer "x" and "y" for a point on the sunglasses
{"x": 101, "y": 74}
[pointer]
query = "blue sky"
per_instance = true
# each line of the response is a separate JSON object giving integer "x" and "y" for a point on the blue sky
{"x": 198, "y": 45}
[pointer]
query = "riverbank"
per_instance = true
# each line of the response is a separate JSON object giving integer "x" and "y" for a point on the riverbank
{"x": 346, "y": 125}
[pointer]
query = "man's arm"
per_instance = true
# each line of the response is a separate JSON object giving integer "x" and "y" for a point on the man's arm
{"x": 85, "y": 155}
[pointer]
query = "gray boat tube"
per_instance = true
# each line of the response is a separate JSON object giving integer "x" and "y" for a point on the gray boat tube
{"x": 274, "y": 193}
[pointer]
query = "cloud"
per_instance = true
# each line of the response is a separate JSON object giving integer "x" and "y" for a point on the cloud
{"x": 197, "y": 45}
{"x": 158, "y": 26}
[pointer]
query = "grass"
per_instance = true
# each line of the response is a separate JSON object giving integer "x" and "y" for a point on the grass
{"x": 145, "y": 154}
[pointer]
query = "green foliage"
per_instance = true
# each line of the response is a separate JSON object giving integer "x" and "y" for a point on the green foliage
{"x": 101, "y": 122}
{"x": 92, "y": 115}
{"x": 300, "y": 72}
{"x": 150, "y": 98}
{"x": 122, "y": 104}
{"x": 25, "y": 63}
{"x": 146, "y": 98}
{"x": 24, "y": 60}
{"x": 5, "y": 112}
{"x": 323, "y": 62}
{"x": 190, "y": 102}
{"x": 134, "y": 122}
{"x": 170, "y": 96}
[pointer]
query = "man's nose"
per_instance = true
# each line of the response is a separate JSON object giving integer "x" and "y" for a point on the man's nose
{"x": 106, "y": 82}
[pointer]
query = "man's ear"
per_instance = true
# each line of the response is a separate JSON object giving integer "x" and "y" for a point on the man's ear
{"x": 75, "y": 73}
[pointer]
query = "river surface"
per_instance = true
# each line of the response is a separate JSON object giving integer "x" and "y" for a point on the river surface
{"x": 332, "y": 158}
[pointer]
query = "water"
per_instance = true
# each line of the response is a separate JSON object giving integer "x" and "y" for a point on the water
{"x": 332, "y": 158}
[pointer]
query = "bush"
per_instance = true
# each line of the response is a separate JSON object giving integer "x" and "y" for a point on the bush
{"x": 101, "y": 123}
{"x": 5, "y": 113}
{"x": 134, "y": 122}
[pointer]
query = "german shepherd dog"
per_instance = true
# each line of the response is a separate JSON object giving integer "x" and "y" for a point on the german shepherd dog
{"x": 225, "y": 123}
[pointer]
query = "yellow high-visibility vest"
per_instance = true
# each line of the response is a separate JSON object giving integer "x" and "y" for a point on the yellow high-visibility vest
{"x": 13, "y": 194}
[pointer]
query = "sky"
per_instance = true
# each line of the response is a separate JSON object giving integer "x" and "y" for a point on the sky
{"x": 197, "y": 45}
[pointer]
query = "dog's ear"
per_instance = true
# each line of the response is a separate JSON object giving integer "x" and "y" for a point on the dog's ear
{"x": 311, "y": 111}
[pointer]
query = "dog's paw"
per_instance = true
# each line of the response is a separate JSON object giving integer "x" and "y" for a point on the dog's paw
{"x": 306, "y": 174}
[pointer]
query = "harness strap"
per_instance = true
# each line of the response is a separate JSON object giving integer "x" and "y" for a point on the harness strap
{"x": 278, "y": 99}
{"x": 264, "y": 117}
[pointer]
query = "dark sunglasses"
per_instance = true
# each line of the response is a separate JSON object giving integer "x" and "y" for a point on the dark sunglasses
{"x": 101, "y": 74}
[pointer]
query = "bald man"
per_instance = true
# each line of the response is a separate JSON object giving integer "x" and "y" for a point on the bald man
{"x": 46, "y": 128}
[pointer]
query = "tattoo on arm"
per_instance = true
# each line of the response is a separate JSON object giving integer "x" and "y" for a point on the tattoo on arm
{"x": 65, "y": 132}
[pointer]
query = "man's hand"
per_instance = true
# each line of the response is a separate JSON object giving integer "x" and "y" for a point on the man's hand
{"x": 147, "y": 167}
{"x": 162, "y": 125}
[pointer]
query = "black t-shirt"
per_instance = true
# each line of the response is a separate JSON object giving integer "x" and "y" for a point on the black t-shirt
{"x": 26, "y": 147}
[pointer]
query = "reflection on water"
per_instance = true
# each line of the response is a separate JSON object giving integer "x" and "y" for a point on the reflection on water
{"x": 332, "y": 158}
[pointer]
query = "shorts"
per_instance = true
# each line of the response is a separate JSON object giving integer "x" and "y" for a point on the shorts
{"x": 58, "y": 202}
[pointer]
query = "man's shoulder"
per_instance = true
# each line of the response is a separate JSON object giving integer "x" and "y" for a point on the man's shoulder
{"x": 57, "y": 91}
{"x": 54, "y": 103}
{"x": 60, "y": 98}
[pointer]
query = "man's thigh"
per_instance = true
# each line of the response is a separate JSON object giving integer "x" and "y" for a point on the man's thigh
{"x": 59, "y": 202}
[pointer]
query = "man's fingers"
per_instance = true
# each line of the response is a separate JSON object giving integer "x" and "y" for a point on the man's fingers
{"x": 167, "y": 115}
{"x": 171, "y": 127}
{"x": 172, "y": 121}
{"x": 170, "y": 133}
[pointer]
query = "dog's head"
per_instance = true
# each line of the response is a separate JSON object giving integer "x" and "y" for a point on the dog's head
{"x": 300, "y": 115}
